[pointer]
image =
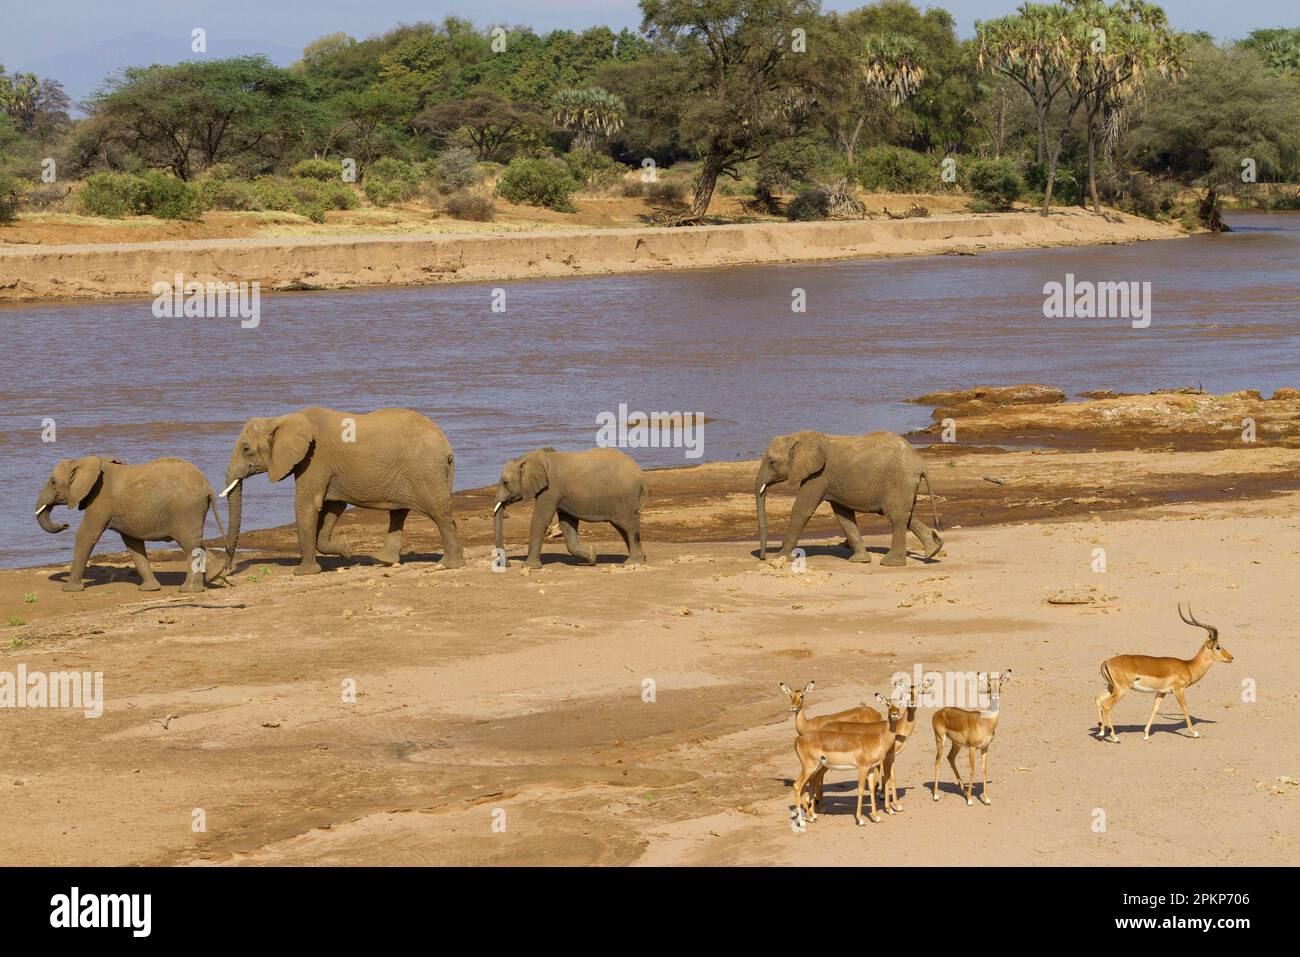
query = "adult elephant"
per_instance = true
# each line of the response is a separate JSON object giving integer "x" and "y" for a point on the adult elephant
{"x": 392, "y": 459}
{"x": 878, "y": 473}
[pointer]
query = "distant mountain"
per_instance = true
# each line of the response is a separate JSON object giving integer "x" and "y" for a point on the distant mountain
{"x": 83, "y": 70}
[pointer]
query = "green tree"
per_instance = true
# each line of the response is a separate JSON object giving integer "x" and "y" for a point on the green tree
{"x": 590, "y": 113}
{"x": 488, "y": 120}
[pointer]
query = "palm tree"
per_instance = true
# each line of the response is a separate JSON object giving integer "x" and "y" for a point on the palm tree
{"x": 589, "y": 113}
{"x": 891, "y": 69}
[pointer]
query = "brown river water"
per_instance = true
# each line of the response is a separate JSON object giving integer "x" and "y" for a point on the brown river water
{"x": 118, "y": 382}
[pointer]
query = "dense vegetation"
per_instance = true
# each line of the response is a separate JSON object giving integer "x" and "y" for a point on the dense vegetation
{"x": 1075, "y": 102}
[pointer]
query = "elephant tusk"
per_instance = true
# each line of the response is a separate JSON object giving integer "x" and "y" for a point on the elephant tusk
{"x": 229, "y": 488}
{"x": 496, "y": 508}
{"x": 41, "y": 509}
{"x": 762, "y": 488}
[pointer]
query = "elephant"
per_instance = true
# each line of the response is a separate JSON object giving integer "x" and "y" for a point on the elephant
{"x": 878, "y": 473}
{"x": 393, "y": 459}
{"x": 597, "y": 485}
{"x": 166, "y": 500}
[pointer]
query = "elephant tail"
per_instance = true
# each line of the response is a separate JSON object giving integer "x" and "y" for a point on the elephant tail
{"x": 645, "y": 497}
{"x": 934, "y": 507}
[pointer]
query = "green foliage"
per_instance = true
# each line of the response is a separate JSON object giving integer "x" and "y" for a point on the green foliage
{"x": 471, "y": 206}
{"x": 897, "y": 170}
{"x": 593, "y": 169}
{"x": 792, "y": 164}
{"x": 995, "y": 181}
{"x": 456, "y": 169}
{"x": 590, "y": 113}
{"x": 306, "y": 197}
{"x": 390, "y": 181}
{"x": 152, "y": 193}
{"x": 539, "y": 182}
{"x": 321, "y": 169}
{"x": 9, "y": 189}
{"x": 810, "y": 204}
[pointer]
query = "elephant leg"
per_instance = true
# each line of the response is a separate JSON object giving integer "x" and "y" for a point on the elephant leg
{"x": 805, "y": 503}
{"x": 391, "y": 553}
{"x": 308, "y": 521}
{"x": 897, "y": 554}
{"x": 141, "y": 559}
{"x": 849, "y": 522}
{"x": 569, "y": 527}
{"x": 543, "y": 512}
{"x": 630, "y": 530}
{"x": 452, "y": 555}
{"x": 195, "y": 559}
{"x": 88, "y": 534}
{"x": 326, "y": 543}
{"x": 930, "y": 540}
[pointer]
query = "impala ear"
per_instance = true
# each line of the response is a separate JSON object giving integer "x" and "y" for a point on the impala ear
{"x": 807, "y": 455}
{"x": 1006, "y": 676}
{"x": 881, "y": 698}
{"x": 291, "y": 438}
{"x": 786, "y": 688}
{"x": 85, "y": 473}
{"x": 809, "y": 686}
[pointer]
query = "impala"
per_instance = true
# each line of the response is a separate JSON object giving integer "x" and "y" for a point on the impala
{"x": 905, "y": 725}
{"x": 972, "y": 730}
{"x": 1158, "y": 676}
{"x": 863, "y": 752}
{"x": 803, "y": 724}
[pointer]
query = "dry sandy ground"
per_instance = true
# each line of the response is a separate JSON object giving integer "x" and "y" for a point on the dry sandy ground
{"x": 488, "y": 697}
{"x": 129, "y": 269}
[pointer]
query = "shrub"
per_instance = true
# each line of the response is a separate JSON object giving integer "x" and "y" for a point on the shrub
{"x": 894, "y": 169}
{"x": 666, "y": 191}
{"x": 152, "y": 193}
{"x": 633, "y": 187}
{"x": 995, "y": 181}
{"x": 8, "y": 198}
{"x": 810, "y": 204}
{"x": 593, "y": 169}
{"x": 457, "y": 169}
{"x": 1067, "y": 188}
{"x": 539, "y": 182}
{"x": 232, "y": 194}
{"x": 307, "y": 197}
{"x": 320, "y": 169}
{"x": 471, "y": 206}
{"x": 390, "y": 180}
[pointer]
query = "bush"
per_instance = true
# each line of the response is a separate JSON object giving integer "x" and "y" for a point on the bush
{"x": 894, "y": 169}
{"x": 390, "y": 180}
{"x": 593, "y": 169}
{"x": 810, "y": 204}
{"x": 539, "y": 182}
{"x": 633, "y": 188}
{"x": 995, "y": 181}
{"x": 307, "y": 197}
{"x": 666, "y": 191}
{"x": 320, "y": 169}
{"x": 1067, "y": 188}
{"x": 457, "y": 170}
{"x": 470, "y": 206}
{"x": 8, "y": 198}
{"x": 152, "y": 193}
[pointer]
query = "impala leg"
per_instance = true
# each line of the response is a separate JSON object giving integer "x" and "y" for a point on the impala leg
{"x": 817, "y": 785}
{"x": 1108, "y": 706}
{"x": 938, "y": 753}
{"x": 970, "y": 785}
{"x": 952, "y": 760}
{"x": 1146, "y": 732}
{"x": 984, "y": 789}
{"x": 1182, "y": 702}
{"x": 1101, "y": 720}
{"x": 798, "y": 790}
{"x": 862, "y": 781}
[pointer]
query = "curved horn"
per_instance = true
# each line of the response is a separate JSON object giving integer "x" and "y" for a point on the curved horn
{"x": 1190, "y": 619}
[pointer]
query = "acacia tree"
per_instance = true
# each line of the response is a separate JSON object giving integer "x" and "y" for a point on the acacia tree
{"x": 486, "y": 118}
{"x": 746, "y": 81}
{"x": 589, "y": 113}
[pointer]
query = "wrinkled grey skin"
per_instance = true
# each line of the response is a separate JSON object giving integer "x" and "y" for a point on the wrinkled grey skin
{"x": 392, "y": 459}
{"x": 877, "y": 473}
{"x": 599, "y": 485}
{"x": 166, "y": 500}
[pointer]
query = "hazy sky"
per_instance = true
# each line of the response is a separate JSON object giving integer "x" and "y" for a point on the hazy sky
{"x": 30, "y": 32}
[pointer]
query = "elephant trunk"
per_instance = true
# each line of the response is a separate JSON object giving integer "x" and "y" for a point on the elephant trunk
{"x": 43, "y": 508}
{"x": 760, "y": 505}
{"x": 234, "y": 513}
{"x": 498, "y": 521}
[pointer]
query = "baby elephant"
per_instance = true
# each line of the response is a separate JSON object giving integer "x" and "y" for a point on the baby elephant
{"x": 599, "y": 485}
{"x": 166, "y": 500}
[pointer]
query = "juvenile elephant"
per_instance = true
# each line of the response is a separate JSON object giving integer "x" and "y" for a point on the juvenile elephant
{"x": 598, "y": 485}
{"x": 878, "y": 473}
{"x": 166, "y": 500}
{"x": 392, "y": 459}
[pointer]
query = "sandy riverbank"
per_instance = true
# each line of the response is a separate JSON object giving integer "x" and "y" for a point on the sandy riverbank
{"x": 103, "y": 270}
{"x": 479, "y": 692}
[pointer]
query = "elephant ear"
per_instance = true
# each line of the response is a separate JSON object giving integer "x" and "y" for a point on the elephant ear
{"x": 807, "y": 456}
{"x": 290, "y": 439}
{"x": 85, "y": 473}
{"x": 532, "y": 474}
